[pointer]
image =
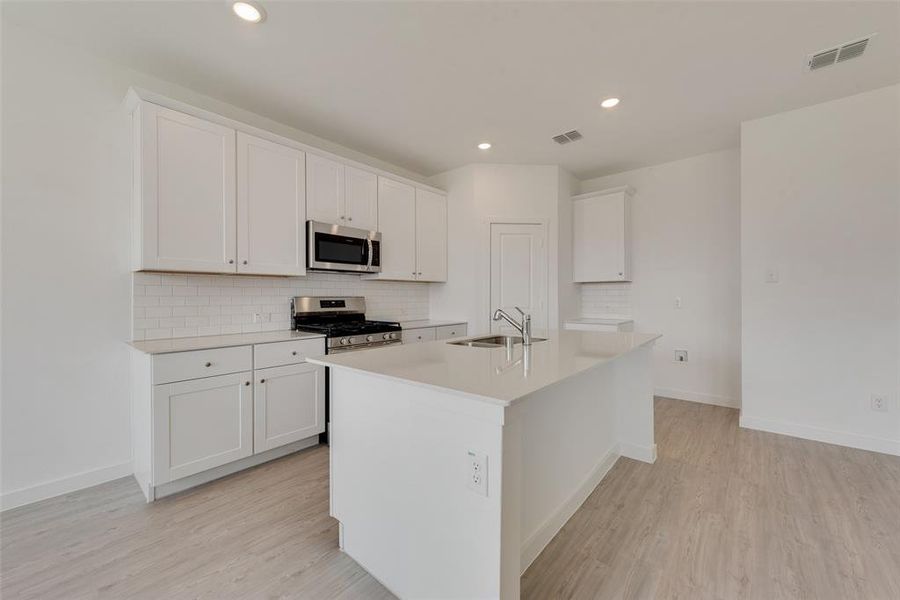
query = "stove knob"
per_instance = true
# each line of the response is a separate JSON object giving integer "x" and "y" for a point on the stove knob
{"x": 351, "y": 341}
{"x": 393, "y": 336}
{"x": 386, "y": 336}
{"x": 369, "y": 338}
{"x": 343, "y": 341}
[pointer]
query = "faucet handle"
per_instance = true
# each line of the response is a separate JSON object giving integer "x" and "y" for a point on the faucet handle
{"x": 522, "y": 312}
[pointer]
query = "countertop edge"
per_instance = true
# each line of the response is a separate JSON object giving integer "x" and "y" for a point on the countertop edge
{"x": 251, "y": 339}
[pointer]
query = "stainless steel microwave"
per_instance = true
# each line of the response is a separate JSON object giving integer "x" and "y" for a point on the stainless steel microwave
{"x": 339, "y": 248}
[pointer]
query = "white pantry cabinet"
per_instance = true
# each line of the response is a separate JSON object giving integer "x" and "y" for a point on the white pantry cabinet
{"x": 289, "y": 405}
{"x": 201, "y": 424}
{"x": 271, "y": 208}
{"x": 184, "y": 192}
{"x": 413, "y": 225}
{"x": 601, "y": 235}
{"x": 340, "y": 194}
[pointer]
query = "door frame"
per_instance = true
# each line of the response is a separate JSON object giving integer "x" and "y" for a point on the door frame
{"x": 486, "y": 265}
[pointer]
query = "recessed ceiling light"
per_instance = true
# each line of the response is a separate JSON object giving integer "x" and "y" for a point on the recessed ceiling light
{"x": 484, "y": 146}
{"x": 609, "y": 102}
{"x": 249, "y": 11}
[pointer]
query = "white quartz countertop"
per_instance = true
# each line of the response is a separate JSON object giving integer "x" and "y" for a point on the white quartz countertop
{"x": 185, "y": 344}
{"x": 491, "y": 374}
{"x": 599, "y": 320}
{"x": 429, "y": 323}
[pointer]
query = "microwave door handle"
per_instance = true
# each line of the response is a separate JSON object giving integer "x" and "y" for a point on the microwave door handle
{"x": 368, "y": 254}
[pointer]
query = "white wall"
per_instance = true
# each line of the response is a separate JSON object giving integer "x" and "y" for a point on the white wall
{"x": 475, "y": 194}
{"x": 685, "y": 243}
{"x": 66, "y": 306}
{"x": 821, "y": 205}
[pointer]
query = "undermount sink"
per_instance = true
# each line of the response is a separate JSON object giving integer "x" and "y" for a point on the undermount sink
{"x": 493, "y": 341}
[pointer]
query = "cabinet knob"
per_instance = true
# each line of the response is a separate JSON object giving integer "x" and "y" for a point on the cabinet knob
{"x": 245, "y": 262}
{"x": 419, "y": 273}
{"x": 343, "y": 217}
{"x": 620, "y": 274}
{"x": 208, "y": 364}
{"x": 262, "y": 380}
{"x": 230, "y": 261}
{"x": 349, "y": 218}
{"x": 294, "y": 353}
{"x": 246, "y": 383}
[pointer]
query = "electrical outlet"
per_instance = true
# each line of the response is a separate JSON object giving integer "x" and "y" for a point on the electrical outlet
{"x": 677, "y": 301}
{"x": 681, "y": 356}
{"x": 879, "y": 403}
{"x": 477, "y": 472}
{"x": 257, "y": 317}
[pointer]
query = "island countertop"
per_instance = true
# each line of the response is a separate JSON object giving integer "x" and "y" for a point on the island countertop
{"x": 492, "y": 374}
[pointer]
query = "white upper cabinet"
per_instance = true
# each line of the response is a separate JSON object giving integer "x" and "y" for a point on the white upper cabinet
{"x": 397, "y": 220}
{"x": 361, "y": 203}
{"x": 184, "y": 193}
{"x": 341, "y": 194}
{"x": 271, "y": 208}
{"x": 413, "y": 225}
{"x": 431, "y": 236}
{"x": 325, "y": 190}
{"x": 601, "y": 236}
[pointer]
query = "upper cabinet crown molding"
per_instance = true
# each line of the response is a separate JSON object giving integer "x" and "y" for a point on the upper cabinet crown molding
{"x": 136, "y": 95}
{"x": 601, "y": 236}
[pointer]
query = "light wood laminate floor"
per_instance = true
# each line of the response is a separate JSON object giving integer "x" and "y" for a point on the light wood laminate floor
{"x": 724, "y": 513}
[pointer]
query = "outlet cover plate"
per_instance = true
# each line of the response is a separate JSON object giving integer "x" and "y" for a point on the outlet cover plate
{"x": 477, "y": 472}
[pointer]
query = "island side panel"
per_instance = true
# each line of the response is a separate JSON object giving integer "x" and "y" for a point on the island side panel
{"x": 634, "y": 404}
{"x": 399, "y": 485}
{"x": 569, "y": 443}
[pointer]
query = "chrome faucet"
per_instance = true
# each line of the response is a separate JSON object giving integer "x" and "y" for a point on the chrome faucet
{"x": 524, "y": 328}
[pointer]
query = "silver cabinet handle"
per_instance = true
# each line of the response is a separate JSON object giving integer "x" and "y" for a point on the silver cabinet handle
{"x": 209, "y": 364}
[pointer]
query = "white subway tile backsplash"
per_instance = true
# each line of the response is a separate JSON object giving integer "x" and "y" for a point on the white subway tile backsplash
{"x": 175, "y": 305}
{"x": 602, "y": 299}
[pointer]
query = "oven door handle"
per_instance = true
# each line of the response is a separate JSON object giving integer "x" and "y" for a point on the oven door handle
{"x": 369, "y": 254}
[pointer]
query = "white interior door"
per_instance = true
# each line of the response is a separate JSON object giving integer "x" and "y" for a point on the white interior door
{"x": 519, "y": 272}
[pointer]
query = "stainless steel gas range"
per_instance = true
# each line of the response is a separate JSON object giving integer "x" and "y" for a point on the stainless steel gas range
{"x": 343, "y": 322}
{"x": 342, "y": 319}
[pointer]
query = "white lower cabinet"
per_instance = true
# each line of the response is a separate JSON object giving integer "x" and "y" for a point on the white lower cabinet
{"x": 201, "y": 424}
{"x": 203, "y": 414}
{"x": 289, "y": 405}
{"x": 417, "y": 335}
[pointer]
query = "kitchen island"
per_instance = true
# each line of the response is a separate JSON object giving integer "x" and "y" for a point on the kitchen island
{"x": 453, "y": 466}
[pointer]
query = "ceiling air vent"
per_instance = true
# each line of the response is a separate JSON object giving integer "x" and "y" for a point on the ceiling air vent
{"x": 569, "y": 136}
{"x": 832, "y": 56}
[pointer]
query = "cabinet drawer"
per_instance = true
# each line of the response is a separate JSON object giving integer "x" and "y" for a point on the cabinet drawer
{"x": 181, "y": 366}
{"x": 445, "y": 332}
{"x": 286, "y": 353}
{"x": 415, "y": 336}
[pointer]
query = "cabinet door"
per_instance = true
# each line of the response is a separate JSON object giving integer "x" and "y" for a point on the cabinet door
{"x": 599, "y": 238}
{"x": 186, "y": 173}
{"x": 397, "y": 223}
{"x": 431, "y": 236}
{"x": 325, "y": 190}
{"x": 271, "y": 208}
{"x": 289, "y": 405}
{"x": 362, "y": 199}
{"x": 417, "y": 336}
{"x": 201, "y": 424}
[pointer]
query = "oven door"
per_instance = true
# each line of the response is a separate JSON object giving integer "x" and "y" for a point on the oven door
{"x": 337, "y": 248}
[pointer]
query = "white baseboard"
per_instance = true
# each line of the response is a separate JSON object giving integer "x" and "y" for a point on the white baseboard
{"x": 697, "y": 397}
{"x": 64, "y": 485}
{"x": 818, "y": 434}
{"x": 538, "y": 540}
{"x": 645, "y": 454}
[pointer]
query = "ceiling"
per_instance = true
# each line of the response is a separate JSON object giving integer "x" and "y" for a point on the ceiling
{"x": 420, "y": 84}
